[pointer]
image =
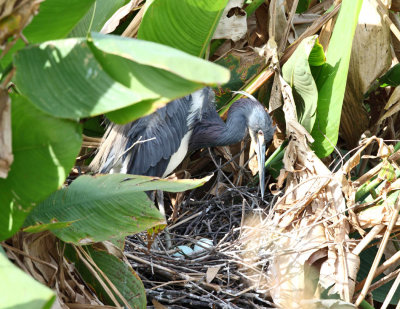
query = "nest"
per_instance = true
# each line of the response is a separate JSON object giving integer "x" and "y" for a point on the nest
{"x": 215, "y": 274}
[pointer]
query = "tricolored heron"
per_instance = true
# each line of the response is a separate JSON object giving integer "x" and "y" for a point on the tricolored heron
{"x": 156, "y": 144}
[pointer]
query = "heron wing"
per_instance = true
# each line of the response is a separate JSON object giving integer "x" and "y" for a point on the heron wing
{"x": 152, "y": 140}
{"x": 145, "y": 146}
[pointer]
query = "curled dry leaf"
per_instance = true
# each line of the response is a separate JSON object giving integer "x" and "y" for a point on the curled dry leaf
{"x": 233, "y": 22}
{"x": 42, "y": 258}
{"x": 375, "y": 215}
{"x": 392, "y": 106}
{"x": 122, "y": 12}
{"x": 355, "y": 159}
{"x": 306, "y": 235}
{"x": 277, "y": 21}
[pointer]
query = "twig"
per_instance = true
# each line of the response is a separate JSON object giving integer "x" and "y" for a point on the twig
{"x": 383, "y": 280}
{"x": 382, "y": 10}
{"x": 168, "y": 270}
{"x": 185, "y": 220}
{"x": 367, "y": 239}
{"x": 284, "y": 39}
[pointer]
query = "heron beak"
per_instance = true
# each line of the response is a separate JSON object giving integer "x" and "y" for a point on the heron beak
{"x": 260, "y": 151}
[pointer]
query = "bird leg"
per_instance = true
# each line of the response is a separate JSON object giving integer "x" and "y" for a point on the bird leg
{"x": 160, "y": 202}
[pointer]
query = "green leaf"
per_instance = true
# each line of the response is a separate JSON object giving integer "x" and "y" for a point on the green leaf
{"x": 253, "y": 6}
{"x": 104, "y": 207}
{"x": 146, "y": 183}
{"x": 331, "y": 82}
{"x": 110, "y": 74}
{"x": 162, "y": 57}
{"x": 93, "y": 127}
{"x": 68, "y": 67}
{"x": 297, "y": 74}
{"x": 44, "y": 151}
{"x": 184, "y": 24}
{"x": 391, "y": 77}
{"x": 19, "y": 290}
{"x": 56, "y": 19}
{"x": 46, "y": 227}
{"x": 119, "y": 242}
{"x": 100, "y": 12}
{"x": 302, "y": 6}
{"x": 374, "y": 187}
{"x": 317, "y": 55}
{"x": 120, "y": 274}
{"x": 135, "y": 111}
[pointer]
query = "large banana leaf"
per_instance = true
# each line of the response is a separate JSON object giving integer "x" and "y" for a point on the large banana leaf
{"x": 94, "y": 209}
{"x": 162, "y": 57}
{"x": 184, "y": 24}
{"x": 44, "y": 151}
{"x": 106, "y": 73}
{"x": 331, "y": 81}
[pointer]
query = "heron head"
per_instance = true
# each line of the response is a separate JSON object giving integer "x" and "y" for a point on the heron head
{"x": 261, "y": 132}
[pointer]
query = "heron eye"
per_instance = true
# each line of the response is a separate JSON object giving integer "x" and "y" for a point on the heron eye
{"x": 260, "y": 132}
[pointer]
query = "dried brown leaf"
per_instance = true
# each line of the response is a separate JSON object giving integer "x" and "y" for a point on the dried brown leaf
{"x": 132, "y": 29}
{"x": 258, "y": 27}
{"x": 233, "y": 22}
{"x": 41, "y": 256}
{"x": 116, "y": 18}
{"x": 356, "y": 157}
{"x": 277, "y": 20}
{"x": 392, "y": 106}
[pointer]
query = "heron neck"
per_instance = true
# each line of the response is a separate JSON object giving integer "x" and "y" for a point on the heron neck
{"x": 213, "y": 131}
{"x": 233, "y": 131}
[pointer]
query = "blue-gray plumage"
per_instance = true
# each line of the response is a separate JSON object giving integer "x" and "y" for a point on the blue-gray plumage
{"x": 156, "y": 144}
